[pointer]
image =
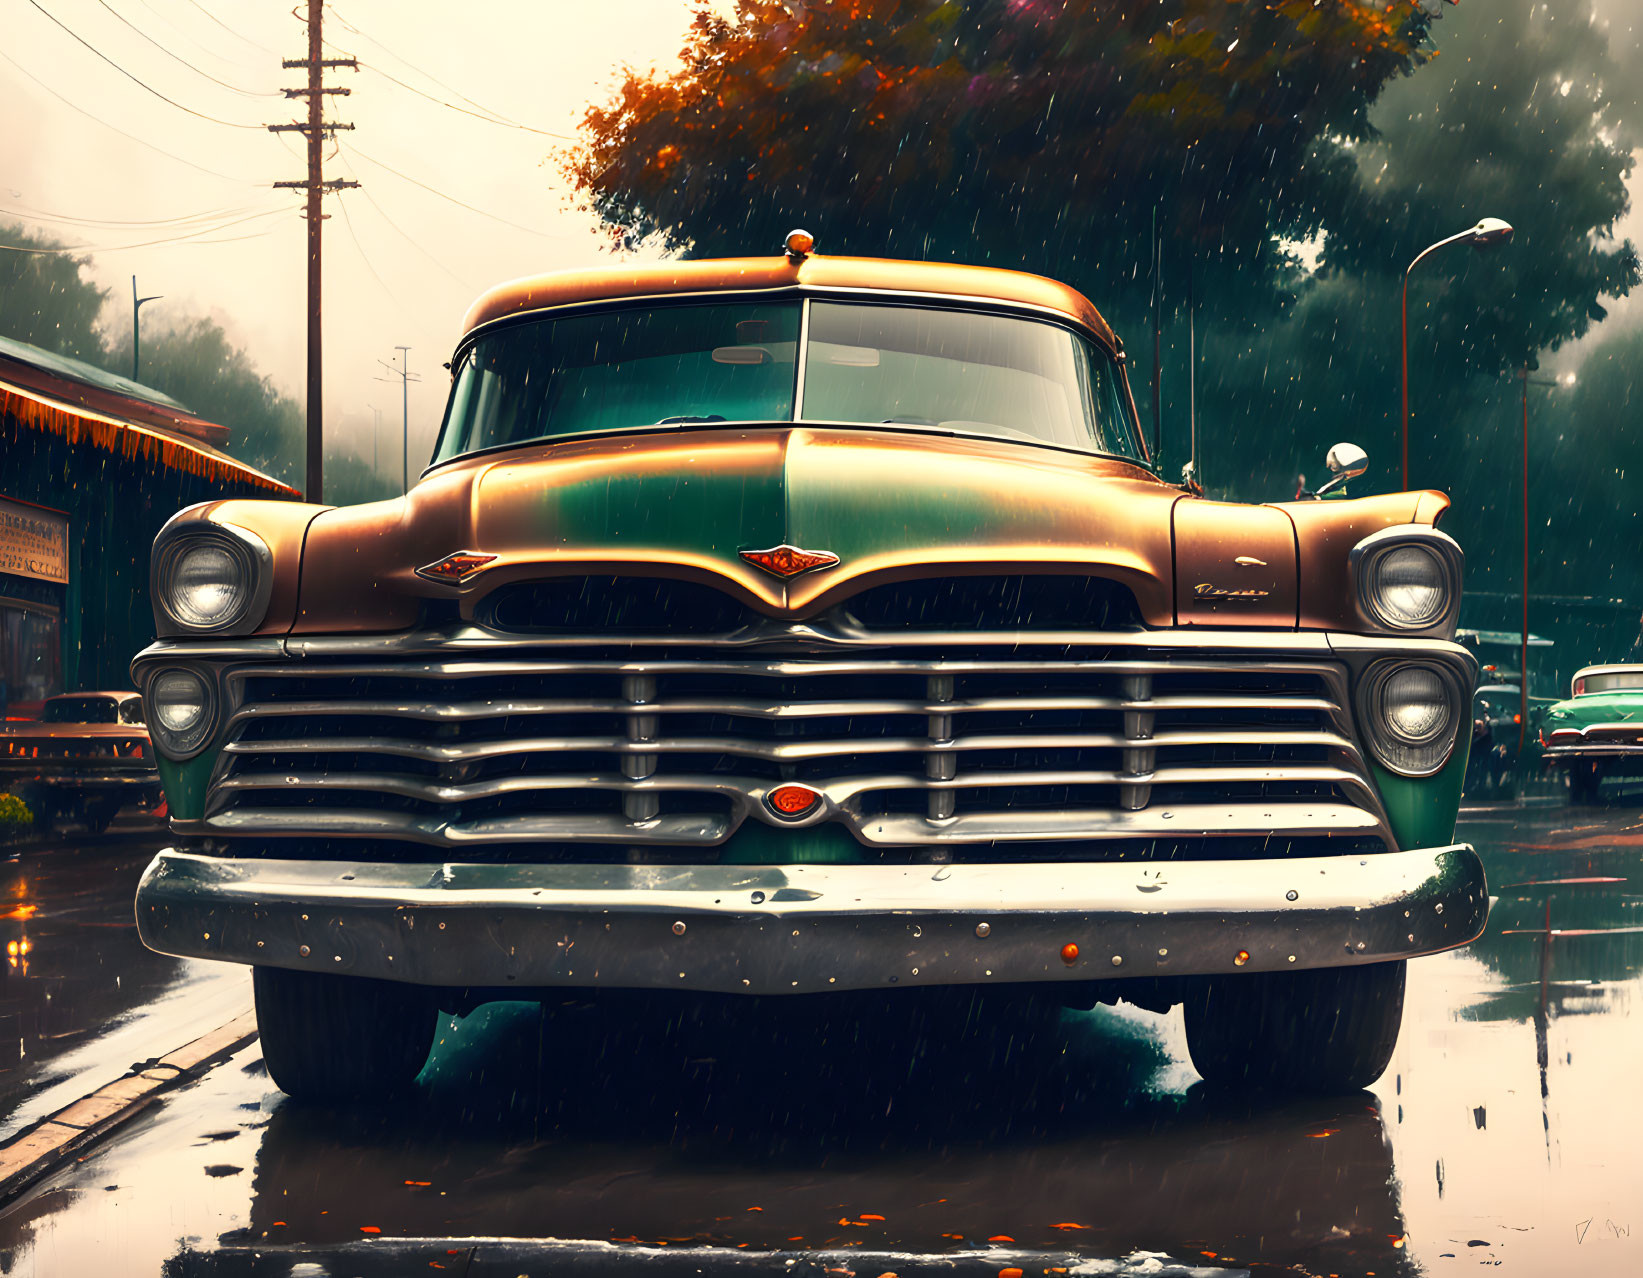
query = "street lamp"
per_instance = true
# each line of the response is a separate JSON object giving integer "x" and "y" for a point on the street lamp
{"x": 136, "y": 308}
{"x": 1488, "y": 232}
{"x": 1523, "y": 661}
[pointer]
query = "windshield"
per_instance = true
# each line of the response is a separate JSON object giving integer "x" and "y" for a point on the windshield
{"x": 1610, "y": 681}
{"x": 79, "y": 710}
{"x": 865, "y": 364}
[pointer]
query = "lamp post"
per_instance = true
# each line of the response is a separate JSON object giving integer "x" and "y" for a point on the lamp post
{"x": 1488, "y": 232}
{"x": 1523, "y": 660}
{"x": 136, "y": 308}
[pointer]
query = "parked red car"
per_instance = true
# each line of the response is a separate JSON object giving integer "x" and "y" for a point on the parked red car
{"x": 85, "y": 758}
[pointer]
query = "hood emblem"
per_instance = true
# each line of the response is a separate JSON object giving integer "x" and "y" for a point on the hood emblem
{"x": 789, "y": 561}
{"x": 457, "y": 568}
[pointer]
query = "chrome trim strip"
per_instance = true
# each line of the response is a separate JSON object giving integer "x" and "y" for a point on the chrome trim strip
{"x": 808, "y": 928}
{"x": 1197, "y": 820}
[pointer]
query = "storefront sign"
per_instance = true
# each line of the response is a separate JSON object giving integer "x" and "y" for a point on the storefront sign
{"x": 33, "y": 542}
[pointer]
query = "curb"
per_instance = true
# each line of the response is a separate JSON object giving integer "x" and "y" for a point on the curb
{"x": 55, "y": 1139}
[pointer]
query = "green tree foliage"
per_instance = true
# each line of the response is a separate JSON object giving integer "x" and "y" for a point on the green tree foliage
{"x": 44, "y": 298}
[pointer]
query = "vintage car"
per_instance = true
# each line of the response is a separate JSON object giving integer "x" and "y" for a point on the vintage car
{"x": 1497, "y": 735}
{"x": 1597, "y": 734}
{"x": 798, "y": 625}
{"x": 85, "y": 758}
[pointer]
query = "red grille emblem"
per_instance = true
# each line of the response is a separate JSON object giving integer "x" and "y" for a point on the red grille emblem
{"x": 790, "y": 561}
{"x": 455, "y": 568}
{"x": 792, "y": 801}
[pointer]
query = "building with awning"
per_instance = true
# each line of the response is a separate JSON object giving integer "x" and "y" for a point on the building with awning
{"x": 91, "y": 465}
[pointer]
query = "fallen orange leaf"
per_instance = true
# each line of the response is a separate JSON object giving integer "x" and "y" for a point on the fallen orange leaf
{"x": 1328, "y": 1131}
{"x": 420, "y": 1184}
{"x": 369, "y": 1229}
{"x": 1012, "y": 1272}
{"x": 869, "y": 1216}
{"x": 1068, "y": 1225}
{"x": 1001, "y": 1238}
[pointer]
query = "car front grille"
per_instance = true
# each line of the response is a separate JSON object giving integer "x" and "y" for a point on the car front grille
{"x": 593, "y": 751}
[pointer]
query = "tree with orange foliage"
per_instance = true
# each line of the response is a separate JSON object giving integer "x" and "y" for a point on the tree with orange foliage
{"x": 1028, "y": 133}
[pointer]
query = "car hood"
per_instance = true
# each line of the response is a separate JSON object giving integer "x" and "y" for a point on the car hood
{"x": 1598, "y": 707}
{"x": 889, "y": 505}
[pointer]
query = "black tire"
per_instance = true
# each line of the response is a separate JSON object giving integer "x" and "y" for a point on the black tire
{"x": 1583, "y": 781}
{"x": 1326, "y": 1030}
{"x": 99, "y": 816}
{"x": 341, "y": 1038}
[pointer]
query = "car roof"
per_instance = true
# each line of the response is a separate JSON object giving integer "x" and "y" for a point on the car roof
{"x": 814, "y": 274}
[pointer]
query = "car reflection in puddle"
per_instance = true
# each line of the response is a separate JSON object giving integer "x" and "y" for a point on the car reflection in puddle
{"x": 925, "y": 1126}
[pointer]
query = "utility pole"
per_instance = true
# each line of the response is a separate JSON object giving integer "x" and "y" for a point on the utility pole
{"x": 315, "y": 185}
{"x": 406, "y": 377}
{"x": 136, "y": 306}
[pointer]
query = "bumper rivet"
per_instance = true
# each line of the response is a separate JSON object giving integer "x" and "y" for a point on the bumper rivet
{"x": 679, "y": 928}
{"x": 1069, "y": 954}
{"x": 1438, "y": 907}
{"x": 984, "y": 929}
{"x": 1163, "y": 953}
{"x": 441, "y": 927}
{"x": 1360, "y": 945}
{"x": 758, "y": 898}
{"x": 302, "y": 950}
{"x": 1292, "y": 895}
{"x": 1118, "y": 960}
{"x": 1240, "y": 958}
{"x": 1291, "y": 958}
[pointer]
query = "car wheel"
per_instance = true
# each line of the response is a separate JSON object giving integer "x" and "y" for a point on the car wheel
{"x": 1326, "y": 1030}
{"x": 99, "y": 816}
{"x": 336, "y": 1038}
{"x": 1583, "y": 782}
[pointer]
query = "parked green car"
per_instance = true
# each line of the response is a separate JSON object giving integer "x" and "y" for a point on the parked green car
{"x": 1597, "y": 734}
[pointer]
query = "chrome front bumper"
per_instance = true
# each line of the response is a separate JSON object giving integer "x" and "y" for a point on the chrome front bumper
{"x": 807, "y": 928}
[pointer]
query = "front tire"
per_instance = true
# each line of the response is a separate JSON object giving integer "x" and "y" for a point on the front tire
{"x": 341, "y": 1038}
{"x": 1325, "y": 1030}
{"x": 1584, "y": 778}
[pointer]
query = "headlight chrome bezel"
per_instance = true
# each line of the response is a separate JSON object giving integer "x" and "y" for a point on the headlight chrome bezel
{"x": 1370, "y": 554}
{"x": 180, "y": 748}
{"x": 251, "y": 556}
{"x": 1384, "y": 742}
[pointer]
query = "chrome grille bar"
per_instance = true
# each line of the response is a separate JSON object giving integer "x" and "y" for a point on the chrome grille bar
{"x": 643, "y": 750}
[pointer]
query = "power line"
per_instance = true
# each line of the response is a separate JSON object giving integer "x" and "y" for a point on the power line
{"x": 190, "y": 237}
{"x": 40, "y": 215}
{"x": 115, "y": 128}
{"x": 547, "y": 235}
{"x": 501, "y": 124}
{"x": 499, "y": 118}
{"x": 404, "y": 234}
{"x": 229, "y": 29}
{"x": 177, "y": 57}
{"x": 138, "y": 81}
{"x": 363, "y": 255}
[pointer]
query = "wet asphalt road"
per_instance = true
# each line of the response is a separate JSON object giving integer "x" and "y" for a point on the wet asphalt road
{"x": 1507, "y": 1132}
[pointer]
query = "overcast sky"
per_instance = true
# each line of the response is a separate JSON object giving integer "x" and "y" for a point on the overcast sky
{"x": 404, "y": 265}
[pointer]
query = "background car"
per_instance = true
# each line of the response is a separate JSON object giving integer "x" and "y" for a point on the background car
{"x": 1597, "y": 734}
{"x": 86, "y": 757}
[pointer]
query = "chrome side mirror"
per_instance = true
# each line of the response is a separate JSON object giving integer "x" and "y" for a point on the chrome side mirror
{"x": 1345, "y": 461}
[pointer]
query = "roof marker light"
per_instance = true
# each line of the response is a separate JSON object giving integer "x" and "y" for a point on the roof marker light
{"x": 799, "y": 244}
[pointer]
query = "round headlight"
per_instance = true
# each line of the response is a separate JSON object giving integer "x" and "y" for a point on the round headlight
{"x": 1408, "y": 587}
{"x": 1409, "y": 713}
{"x": 211, "y": 580}
{"x": 180, "y": 712}
{"x": 207, "y": 585}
